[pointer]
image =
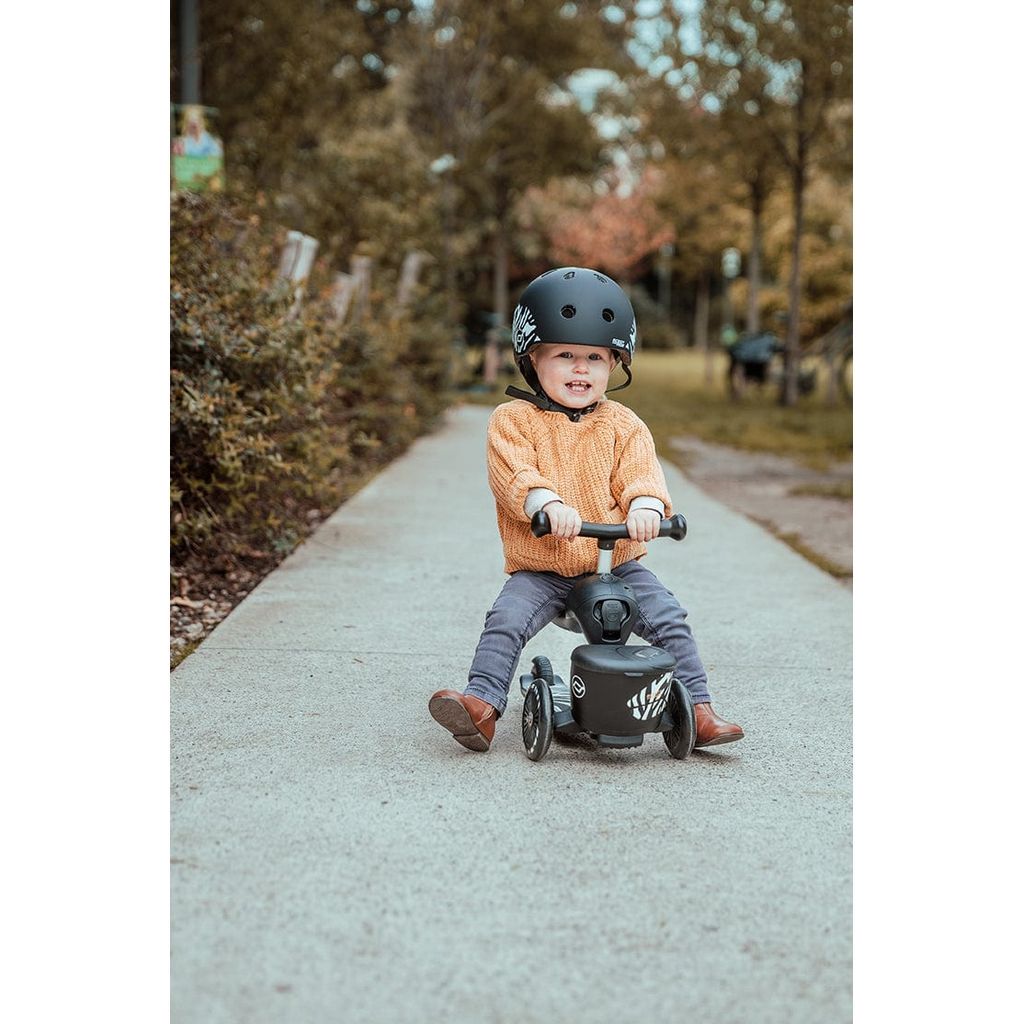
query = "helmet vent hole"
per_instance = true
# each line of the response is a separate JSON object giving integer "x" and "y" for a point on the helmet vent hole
{"x": 568, "y": 312}
{"x": 569, "y": 276}
{"x": 603, "y": 280}
{"x": 608, "y": 315}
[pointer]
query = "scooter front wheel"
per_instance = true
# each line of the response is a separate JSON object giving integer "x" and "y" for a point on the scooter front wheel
{"x": 538, "y": 719}
{"x": 681, "y": 737}
{"x": 541, "y": 669}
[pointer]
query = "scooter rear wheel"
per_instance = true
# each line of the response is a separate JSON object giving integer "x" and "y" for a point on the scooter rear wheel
{"x": 538, "y": 719}
{"x": 681, "y": 737}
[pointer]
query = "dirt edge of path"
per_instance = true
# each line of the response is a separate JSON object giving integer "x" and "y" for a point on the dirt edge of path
{"x": 810, "y": 510}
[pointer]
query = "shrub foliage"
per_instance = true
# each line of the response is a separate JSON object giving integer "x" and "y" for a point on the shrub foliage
{"x": 274, "y": 416}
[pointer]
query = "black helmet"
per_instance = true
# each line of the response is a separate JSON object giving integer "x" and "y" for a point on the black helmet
{"x": 573, "y": 306}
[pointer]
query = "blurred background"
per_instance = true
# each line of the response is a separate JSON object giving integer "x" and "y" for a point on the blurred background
{"x": 360, "y": 190}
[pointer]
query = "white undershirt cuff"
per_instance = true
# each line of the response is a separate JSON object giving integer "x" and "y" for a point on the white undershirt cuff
{"x": 536, "y": 499}
{"x": 646, "y": 501}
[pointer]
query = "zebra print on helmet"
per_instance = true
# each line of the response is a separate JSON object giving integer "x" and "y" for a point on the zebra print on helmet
{"x": 524, "y": 329}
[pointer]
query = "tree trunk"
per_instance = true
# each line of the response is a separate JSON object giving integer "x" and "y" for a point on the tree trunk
{"x": 492, "y": 350}
{"x": 448, "y": 227}
{"x": 191, "y": 59}
{"x": 790, "y": 389}
{"x": 501, "y": 276}
{"x": 754, "y": 266}
{"x": 700, "y": 325}
{"x": 832, "y": 378}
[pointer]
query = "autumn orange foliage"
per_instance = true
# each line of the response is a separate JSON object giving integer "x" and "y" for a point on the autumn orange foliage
{"x": 616, "y": 231}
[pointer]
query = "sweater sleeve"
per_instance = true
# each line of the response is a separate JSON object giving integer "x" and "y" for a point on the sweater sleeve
{"x": 637, "y": 472}
{"x": 512, "y": 461}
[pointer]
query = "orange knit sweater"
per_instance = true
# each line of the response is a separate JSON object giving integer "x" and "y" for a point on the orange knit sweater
{"x": 598, "y": 466}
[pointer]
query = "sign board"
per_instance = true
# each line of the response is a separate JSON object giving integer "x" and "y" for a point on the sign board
{"x": 197, "y": 155}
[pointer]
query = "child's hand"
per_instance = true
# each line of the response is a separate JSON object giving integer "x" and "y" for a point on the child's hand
{"x": 643, "y": 524}
{"x": 565, "y": 521}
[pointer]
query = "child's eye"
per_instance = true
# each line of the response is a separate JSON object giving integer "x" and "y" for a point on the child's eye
{"x": 598, "y": 356}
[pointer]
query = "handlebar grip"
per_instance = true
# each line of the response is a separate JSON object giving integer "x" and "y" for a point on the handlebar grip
{"x": 674, "y": 527}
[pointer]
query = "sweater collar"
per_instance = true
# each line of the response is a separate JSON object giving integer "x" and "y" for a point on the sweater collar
{"x": 542, "y": 401}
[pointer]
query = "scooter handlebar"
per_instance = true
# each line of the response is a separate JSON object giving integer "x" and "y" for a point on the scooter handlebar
{"x": 674, "y": 527}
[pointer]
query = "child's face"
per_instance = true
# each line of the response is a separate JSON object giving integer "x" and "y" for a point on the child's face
{"x": 573, "y": 375}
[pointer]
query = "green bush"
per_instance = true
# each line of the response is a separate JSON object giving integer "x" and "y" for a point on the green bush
{"x": 272, "y": 417}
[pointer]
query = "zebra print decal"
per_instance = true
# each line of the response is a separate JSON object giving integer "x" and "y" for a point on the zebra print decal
{"x": 524, "y": 329}
{"x": 560, "y": 695}
{"x": 651, "y": 700}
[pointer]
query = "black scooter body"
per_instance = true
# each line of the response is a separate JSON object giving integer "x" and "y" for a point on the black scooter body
{"x": 621, "y": 690}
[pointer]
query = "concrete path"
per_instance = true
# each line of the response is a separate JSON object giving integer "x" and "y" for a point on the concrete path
{"x": 337, "y": 857}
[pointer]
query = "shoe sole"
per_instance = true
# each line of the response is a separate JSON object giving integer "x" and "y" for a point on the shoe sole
{"x": 718, "y": 741}
{"x": 456, "y": 719}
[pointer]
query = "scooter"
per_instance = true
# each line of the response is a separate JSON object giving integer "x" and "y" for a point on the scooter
{"x": 618, "y": 692}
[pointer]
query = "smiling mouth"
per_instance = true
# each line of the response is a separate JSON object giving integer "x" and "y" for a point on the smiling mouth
{"x": 577, "y": 387}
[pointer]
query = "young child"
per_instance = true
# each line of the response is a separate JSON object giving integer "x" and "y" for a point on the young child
{"x": 567, "y": 449}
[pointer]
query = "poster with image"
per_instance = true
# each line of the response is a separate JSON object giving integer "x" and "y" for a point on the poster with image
{"x": 197, "y": 155}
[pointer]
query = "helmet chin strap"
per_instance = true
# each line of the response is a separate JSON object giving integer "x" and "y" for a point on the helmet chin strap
{"x": 541, "y": 400}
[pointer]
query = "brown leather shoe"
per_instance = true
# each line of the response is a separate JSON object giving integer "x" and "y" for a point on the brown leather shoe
{"x": 469, "y": 719}
{"x": 712, "y": 730}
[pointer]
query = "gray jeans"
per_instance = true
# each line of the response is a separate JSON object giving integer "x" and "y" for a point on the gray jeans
{"x": 530, "y": 600}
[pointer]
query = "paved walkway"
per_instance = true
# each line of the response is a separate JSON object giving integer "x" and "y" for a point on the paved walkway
{"x": 336, "y": 857}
